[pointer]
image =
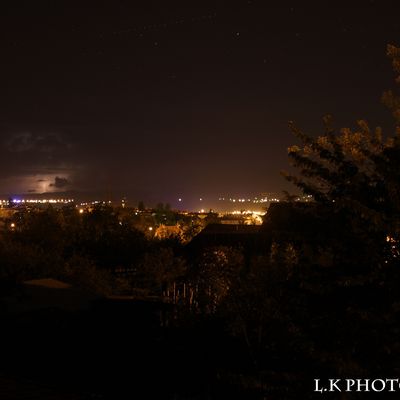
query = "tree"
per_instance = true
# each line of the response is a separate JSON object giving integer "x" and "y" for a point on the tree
{"x": 354, "y": 178}
{"x": 358, "y": 172}
{"x": 389, "y": 98}
{"x": 218, "y": 268}
{"x": 158, "y": 270}
{"x": 141, "y": 206}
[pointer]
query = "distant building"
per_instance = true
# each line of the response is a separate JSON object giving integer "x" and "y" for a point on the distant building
{"x": 284, "y": 222}
{"x": 239, "y": 236}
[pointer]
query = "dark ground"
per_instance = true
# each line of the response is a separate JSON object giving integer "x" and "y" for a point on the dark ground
{"x": 115, "y": 350}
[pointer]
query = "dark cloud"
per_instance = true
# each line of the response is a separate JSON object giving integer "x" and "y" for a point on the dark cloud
{"x": 19, "y": 143}
{"x": 38, "y": 143}
{"x": 33, "y": 152}
{"x": 60, "y": 183}
{"x": 33, "y": 159}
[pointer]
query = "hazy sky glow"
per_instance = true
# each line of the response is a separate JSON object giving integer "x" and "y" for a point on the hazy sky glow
{"x": 172, "y": 98}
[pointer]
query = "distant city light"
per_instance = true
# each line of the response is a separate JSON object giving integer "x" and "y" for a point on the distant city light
{"x": 179, "y": 199}
{"x": 41, "y": 201}
{"x": 237, "y": 212}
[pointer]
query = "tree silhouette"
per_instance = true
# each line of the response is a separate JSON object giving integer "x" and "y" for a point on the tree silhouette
{"x": 354, "y": 179}
{"x": 356, "y": 171}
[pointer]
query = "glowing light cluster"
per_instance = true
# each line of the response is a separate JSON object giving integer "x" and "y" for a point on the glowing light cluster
{"x": 266, "y": 200}
{"x": 93, "y": 203}
{"x": 254, "y": 200}
{"x": 236, "y": 212}
{"x": 42, "y": 201}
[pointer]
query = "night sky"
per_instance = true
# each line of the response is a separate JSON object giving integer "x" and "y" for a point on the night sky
{"x": 160, "y": 100}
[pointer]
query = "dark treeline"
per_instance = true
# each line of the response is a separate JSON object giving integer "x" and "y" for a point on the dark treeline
{"x": 86, "y": 249}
